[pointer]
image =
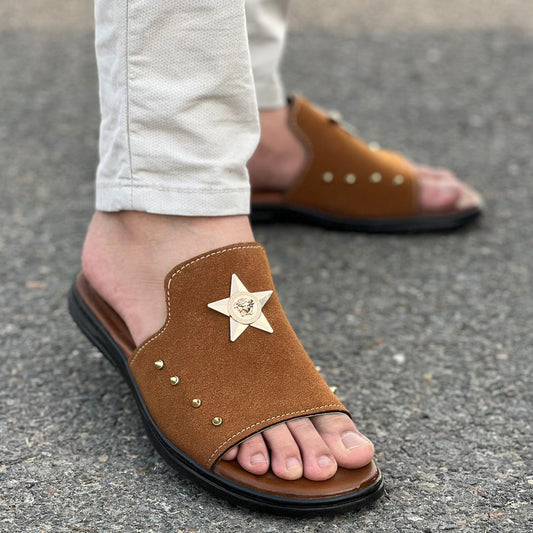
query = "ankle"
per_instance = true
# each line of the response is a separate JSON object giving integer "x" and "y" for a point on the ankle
{"x": 127, "y": 255}
{"x": 138, "y": 229}
{"x": 132, "y": 236}
{"x": 147, "y": 227}
{"x": 280, "y": 155}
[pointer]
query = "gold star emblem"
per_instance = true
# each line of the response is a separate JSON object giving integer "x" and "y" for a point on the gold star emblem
{"x": 243, "y": 308}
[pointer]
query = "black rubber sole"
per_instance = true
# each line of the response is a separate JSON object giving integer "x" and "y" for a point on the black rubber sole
{"x": 416, "y": 224}
{"x": 237, "y": 494}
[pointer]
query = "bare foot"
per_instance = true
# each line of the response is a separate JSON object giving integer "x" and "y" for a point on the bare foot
{"x": 280, "y": 158}
{"x": 126, "y": 257}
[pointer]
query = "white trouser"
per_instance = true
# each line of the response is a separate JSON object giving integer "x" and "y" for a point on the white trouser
{"x": 267, "y": 28}
{"x": 178, "y": 102}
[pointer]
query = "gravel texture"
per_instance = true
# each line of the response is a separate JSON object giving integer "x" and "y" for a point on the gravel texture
{"x": 427, "y": 337}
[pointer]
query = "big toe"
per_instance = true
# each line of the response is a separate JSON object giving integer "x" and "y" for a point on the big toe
{"x": 469, "y": 199}
{"x": 350, "y": 448}
{"x": 438, "y": 195}
{"x": 441, "y": 190}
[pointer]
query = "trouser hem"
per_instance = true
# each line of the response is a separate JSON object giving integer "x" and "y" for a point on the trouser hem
{"x": 173, "y": 201}
{"x": 270, "y": 94}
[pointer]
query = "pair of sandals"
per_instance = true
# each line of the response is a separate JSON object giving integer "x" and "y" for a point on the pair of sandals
{"x": 227, "y": 365}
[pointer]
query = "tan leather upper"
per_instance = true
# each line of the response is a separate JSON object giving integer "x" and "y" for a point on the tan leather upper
{"x": 344, "y": 177}
{"x": 259, "y": 380}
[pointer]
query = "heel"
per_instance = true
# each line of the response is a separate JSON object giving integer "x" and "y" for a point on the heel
{"x": 91, "y": 328}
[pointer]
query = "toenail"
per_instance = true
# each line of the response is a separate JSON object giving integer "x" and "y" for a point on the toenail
{"x": 292, "y": 463}
{"x": 324, "y": 461}
{"x": 352, "y": 440}
{"x": 258, "y": 458}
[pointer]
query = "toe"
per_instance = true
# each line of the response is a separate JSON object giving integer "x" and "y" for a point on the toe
{"x": 441, "y": 190}
{"x": 438, "y": 195}
{"x": 435, "y": 174}
{"x": 349, "y": 447}
{"x": 319, "y": 462}
{"x": 285, "y": 458}
{"x": 470, "y": 199}
{"x": 253, "y": 455}
{"x": 231, "y": 454}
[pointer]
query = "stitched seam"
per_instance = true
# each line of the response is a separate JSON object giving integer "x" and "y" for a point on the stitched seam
{"x": 128, "y": 132}
{"x": 179, "y": 271}
{"x": 269, "y": 420}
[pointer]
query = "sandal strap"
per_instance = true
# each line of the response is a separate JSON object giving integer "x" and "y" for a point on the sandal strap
{"x": 206, "y": 392}
{"x": 344, "y": 176}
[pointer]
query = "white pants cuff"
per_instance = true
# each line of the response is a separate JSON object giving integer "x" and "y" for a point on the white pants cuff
{"x": 173, "y": 201}
{"x": 270, "y": 93}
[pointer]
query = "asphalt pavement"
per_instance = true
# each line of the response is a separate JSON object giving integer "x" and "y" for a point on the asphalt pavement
{"x": 428, "y": 337}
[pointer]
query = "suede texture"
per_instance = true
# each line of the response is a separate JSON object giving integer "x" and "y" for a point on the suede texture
{"x": 259, "y": 380}
{"x": 331, "y": 149}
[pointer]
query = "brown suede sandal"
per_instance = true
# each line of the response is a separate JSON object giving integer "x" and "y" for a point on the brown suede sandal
{"x": 225, "y": 366}
{"x": 349, "y": 185}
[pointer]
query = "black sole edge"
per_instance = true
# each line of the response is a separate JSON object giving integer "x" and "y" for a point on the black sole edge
{"x": 235, "y": 493}
{"x": 271, "y": 214}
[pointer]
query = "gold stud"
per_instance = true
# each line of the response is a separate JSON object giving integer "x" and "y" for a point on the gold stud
{"x": 374, "y": 146}
{"x": 350, "y": 179}
{"x": 335, "y": 116}
{"x": 375, "y": 177}
{"x": 159, "y": 364}
{"x": 398, "y": 180}
{"x": 174, "y": 380}
{"x": 196, "y": 402}
{"x": 217, "y": 421}
{"x": 328, "y": 177}
{"x": 333, "y": 389}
